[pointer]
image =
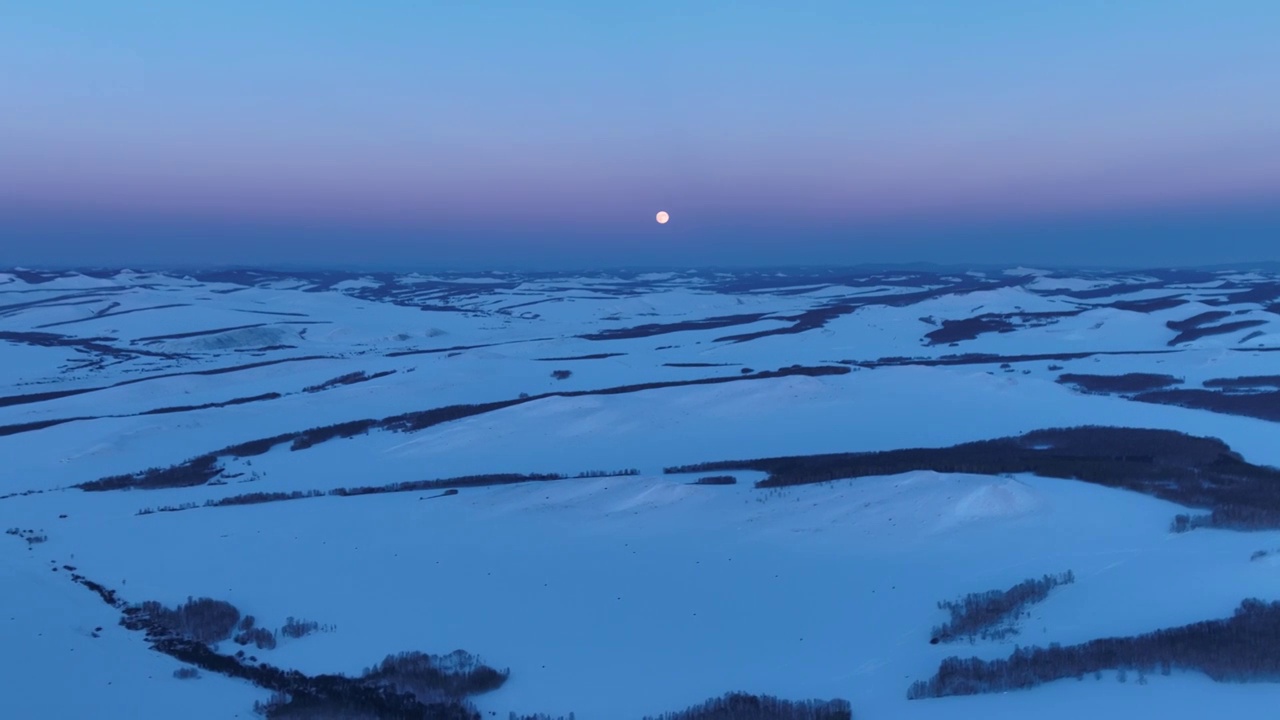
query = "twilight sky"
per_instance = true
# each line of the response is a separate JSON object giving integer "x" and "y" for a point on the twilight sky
{"x": 474, "y": 133}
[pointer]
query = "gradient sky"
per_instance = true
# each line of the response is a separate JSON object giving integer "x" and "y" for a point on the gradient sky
{"x": 476, "y": 133}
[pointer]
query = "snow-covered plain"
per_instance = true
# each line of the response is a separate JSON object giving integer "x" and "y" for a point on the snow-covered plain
{"x": 608, "y": 597}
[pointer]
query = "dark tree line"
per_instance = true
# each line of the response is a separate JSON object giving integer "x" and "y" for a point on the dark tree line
{"x": 450, "y": 485}
{"x": 298, "y": 695}
{"x": 716, "y": 480}
{"x": 436, "y": 678}
{"x": 1242, "y": 648}
{"x": 1197, "y": 472}
{"x": 207, "y": 406}
{"x": 244, "y": 499}
{"x": 348, "y": 379}
{"x": 403, "y": 686}
{"x": 167, "y": 508}
{"x": 1229, "y": 517}
{"x": 1119, "y": 384}
{"x": 294, "y": 628}
{"x": 204, "y": 620}
{"x": 972, "y": 327}
{"x": 447, "y": 483}
{"x": 652, "y": 329}
{"x": 1261, "y": 405}
{"x": 607, "y": 473}
{"x": 210, "y": 621}
{"x": 1192, "y": 334}
{"x": 1245, "y": 382}
{"x": 196, "y": 471}
{"x": 263, "y": 497}
{"x": 203, "y": 468}
{"x": 1197, "y": 320}
{"x": 259, "y": 637}
{"x": 408, "y": 686}
{"x": 991, "y": 614}
{"x": 990, "y": 358}
{"x": 1261, "y": 398}
{"x": 742, "y": 706}
{"x": 592, "y": 356}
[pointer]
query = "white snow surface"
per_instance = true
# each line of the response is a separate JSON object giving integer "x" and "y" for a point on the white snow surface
{"x": 610, "y": 597}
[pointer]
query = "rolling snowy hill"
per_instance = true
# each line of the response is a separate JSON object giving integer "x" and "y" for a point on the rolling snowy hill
{"x": 614, "y": 595}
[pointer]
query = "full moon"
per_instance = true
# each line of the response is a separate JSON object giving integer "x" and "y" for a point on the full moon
{"x": 663, "y": 217}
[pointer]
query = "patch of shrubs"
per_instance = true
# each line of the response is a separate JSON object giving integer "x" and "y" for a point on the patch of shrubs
{"x": 716, "y": 480}
{"x": 742, "y": 706}
{"x": 1242, "y": 648}
{"x": 249, "y": 634}
{"x": 436, "y": 678}
{"x": 31, "y": 536}
{"x": 607, "y": 473}
{"x": 295, "y": 629}
{"x": 204, "y": 620}
{"x": 991, "y": 614}
{"x": 259, "y": 637}
{"x": 561, "y": 374}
